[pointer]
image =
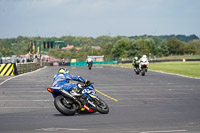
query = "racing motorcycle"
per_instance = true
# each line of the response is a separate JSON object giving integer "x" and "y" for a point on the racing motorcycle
{"x": 137, "y": 69}
{"x": 78, "y": 101}
{"x": 143, "y": 68}
{"x": 89, "y": 65}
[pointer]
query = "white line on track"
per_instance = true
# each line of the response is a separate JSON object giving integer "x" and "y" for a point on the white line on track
{"x": 61, "y": 129}
{"x": 165, "y": 131}
{"x": 21, "y": 75}
{"x": 164, "y": 73}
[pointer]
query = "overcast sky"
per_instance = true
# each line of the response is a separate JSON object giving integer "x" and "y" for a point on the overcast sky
{"x": 93, "y": 18}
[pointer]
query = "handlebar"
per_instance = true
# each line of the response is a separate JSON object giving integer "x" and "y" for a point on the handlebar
{"x": 84, "y": 85}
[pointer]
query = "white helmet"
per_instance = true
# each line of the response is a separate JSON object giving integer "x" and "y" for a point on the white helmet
{"x": 144, "y": 56}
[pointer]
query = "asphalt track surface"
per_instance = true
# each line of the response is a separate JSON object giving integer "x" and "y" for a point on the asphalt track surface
{"x": 155, "y": 103}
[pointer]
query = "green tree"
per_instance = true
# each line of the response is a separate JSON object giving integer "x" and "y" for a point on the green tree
{"x": 143, "y": 46}
{"x": 1, "y": 55}
{"x": 196, "y": 43}
{"x": 163, "y": 50}
{"x": 106, "y": 50}
{"x": 190, "y": 49}
{"x": 134, "y": 50}
{"x": 174, "y": 46}
{"x": 120, "y": 49}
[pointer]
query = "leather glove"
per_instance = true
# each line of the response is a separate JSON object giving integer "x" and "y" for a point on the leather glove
{"x": 87, "y": 82}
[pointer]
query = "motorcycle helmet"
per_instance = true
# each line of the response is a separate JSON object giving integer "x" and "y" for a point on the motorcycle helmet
{"x": 144, "y": 56}
{"x": 63, "y": 71}
{"x": 136, "y": 58}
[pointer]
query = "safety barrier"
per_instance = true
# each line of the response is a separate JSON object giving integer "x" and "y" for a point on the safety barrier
{"x": 30, "y": 66}
{"x": 94, "y": 63}
{"x": 8, "y": 69}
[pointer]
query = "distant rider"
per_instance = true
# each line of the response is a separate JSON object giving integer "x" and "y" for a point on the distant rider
{"x": 89, "y": 61}
{"x": 135, "y": 63}
{"x": 62, "y": 78}
{"x": 143, "y": 59}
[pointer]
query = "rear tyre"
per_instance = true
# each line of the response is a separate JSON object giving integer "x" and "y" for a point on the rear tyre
{"x": 102, "y": 107}
{"x": 64, "y": 106}
{"x": 143, "y": 72}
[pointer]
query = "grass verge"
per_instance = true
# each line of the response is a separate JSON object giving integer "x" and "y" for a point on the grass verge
{"x": 179, "y": 57}
{"x": 191, "y": 69}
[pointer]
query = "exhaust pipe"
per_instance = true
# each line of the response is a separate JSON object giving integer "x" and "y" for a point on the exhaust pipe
{"x": 67, "y": 94}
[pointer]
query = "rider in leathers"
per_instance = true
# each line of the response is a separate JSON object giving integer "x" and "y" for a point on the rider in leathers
{"x": 143, "y": 60}
{"x": 62, "y": 78}
{"x": 135, "y": 63}
{"x": 89, "y": 60}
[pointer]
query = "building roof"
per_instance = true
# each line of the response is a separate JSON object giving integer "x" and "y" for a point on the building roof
{"x": 96, "y": 47}
{"x": 68, "y": 47}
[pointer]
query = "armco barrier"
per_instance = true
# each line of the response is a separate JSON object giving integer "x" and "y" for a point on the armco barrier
{"x": 94, "y": 63}
{"x": 8, "y": 69}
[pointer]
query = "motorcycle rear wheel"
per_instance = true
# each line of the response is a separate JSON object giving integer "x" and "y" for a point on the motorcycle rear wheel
{"x": 64, "y": 106}
{"x": 102, "y": 107}
{"x": 143, "y": 72}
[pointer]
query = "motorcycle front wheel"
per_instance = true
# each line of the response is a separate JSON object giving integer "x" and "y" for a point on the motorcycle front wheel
{"x": 64, "y": 105}
{"x": 137, "y": 71}
{"x": 102, "y": 107}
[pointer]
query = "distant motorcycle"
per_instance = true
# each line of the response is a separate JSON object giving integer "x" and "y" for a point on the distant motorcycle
{"x": 69, "y": 103}
{"x": 137, "y": 70}
{"x": 89, "y": 65}
{"x": 143, "y": 68}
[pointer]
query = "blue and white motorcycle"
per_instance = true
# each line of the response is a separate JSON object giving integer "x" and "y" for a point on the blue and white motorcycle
{"x": 78, "y": 101}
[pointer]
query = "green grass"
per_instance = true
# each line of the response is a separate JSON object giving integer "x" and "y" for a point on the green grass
{"x": 179, "y": 57}
{"x": 191, "y": 69}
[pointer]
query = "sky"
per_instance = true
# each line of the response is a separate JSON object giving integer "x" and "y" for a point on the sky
{"x": 93, "y": 18}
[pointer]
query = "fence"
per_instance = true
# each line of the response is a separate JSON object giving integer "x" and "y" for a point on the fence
{"x": 28, "y": 67}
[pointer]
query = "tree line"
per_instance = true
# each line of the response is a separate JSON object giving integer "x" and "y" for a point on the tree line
{"x": 113, "y": 48}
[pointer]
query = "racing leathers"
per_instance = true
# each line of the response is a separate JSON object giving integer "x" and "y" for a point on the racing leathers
{"x": 142, "y": 61}
{"x": 135, "y": 63}
{"x": 89, "y": 61}
{"x": 62, "y": 80}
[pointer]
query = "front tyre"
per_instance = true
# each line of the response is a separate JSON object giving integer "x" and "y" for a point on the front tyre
{"x": 89, "y": 66}
{"x": 137, "y": 71}
{"x": 64, "y": 105}
{"x": 102, "y": 107}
